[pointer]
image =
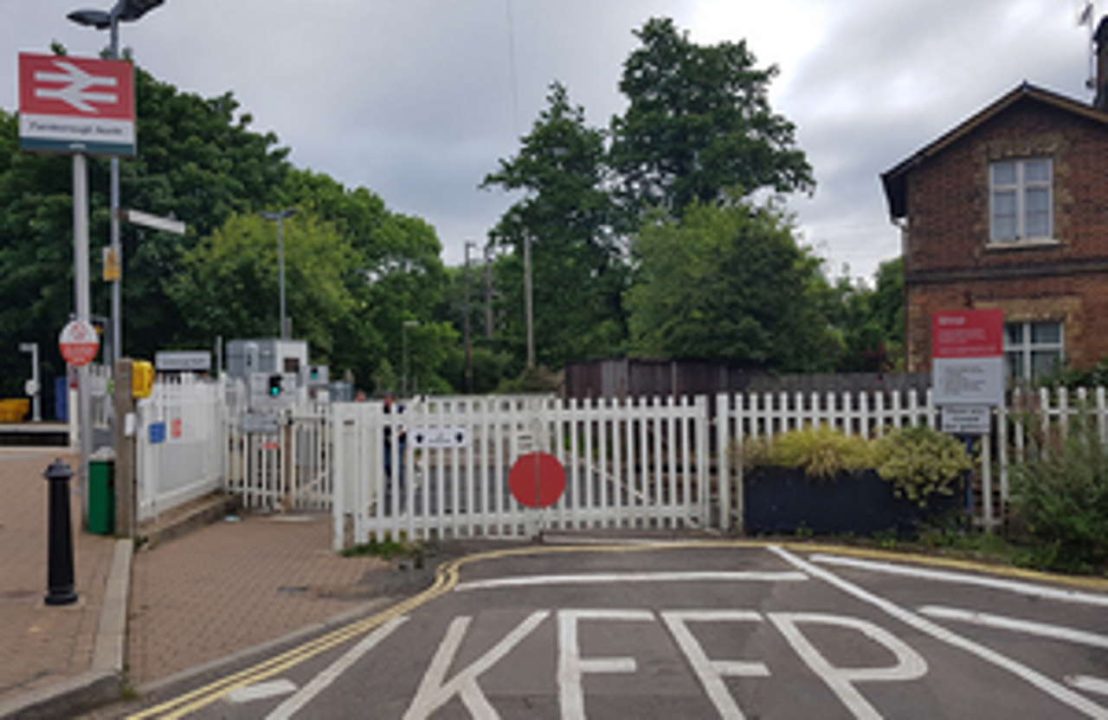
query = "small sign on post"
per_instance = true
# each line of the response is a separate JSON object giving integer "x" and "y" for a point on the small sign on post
{"x": 79, "y": 343}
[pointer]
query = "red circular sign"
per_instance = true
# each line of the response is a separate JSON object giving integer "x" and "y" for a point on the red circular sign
{"x": 79, "y": 343}
{"x": 537, "y": 479}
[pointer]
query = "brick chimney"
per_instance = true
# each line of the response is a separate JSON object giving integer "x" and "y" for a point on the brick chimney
{"x": 1100, "y": 38}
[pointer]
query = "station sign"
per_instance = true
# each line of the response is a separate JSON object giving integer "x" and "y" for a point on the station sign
{"x": 183, "y": 361}
{"x": 69, "y": 104}
{"x": 967, "y": 357}
{"x": 79, "y": 343}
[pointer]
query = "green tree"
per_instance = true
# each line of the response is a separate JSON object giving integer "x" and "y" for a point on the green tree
{"x": 728, "y": 283}
{"x": 566, "y": 212}
{"x": 698, "y": 123}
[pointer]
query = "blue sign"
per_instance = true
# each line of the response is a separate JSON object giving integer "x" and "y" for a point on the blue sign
{"x": 157, "y": 433}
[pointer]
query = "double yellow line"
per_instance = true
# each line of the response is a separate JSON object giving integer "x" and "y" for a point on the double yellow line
{"x": 446, "y": 578}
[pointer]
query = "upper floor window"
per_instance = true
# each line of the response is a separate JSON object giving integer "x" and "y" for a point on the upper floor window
{"x": 1033, "y": 350}
{"x": 1021, "y": 200}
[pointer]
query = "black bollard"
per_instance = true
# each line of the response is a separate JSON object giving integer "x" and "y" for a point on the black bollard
{"x": 60, "y": 571}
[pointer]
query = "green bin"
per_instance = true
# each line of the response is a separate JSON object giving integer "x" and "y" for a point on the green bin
{"x": 101, "y": 498}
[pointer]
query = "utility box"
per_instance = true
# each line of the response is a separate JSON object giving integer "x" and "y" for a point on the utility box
{"x": 266, "y": 355}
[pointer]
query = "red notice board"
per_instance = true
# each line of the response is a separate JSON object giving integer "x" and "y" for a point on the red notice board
{"x": 967, "y": 357}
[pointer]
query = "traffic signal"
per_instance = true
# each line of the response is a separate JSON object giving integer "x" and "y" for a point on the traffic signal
{"x": 275, "y": 386}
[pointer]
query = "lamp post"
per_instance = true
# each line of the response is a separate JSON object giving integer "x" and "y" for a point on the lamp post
{"x": 280, "y": 216}
{"x": 404, "y": 350}
{"x": 466, "y": 321}
{"x": 123, "y": 11}
{"x": 32, "y": 386}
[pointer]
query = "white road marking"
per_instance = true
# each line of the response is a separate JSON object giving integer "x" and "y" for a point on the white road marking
{"x": 571, "y": 666}
{"x": 433, "y": 692}
{"x": 320, "y": 682}
{"x": 1048, "y": 686}
{"x": 1056, "y": 632}
{"x": 711, "y": 672}
{"x": 631, "y": 577}
{"x": 1088, "y": 683}
{"x": 909, "y": 665}
{"x": 261, "y": 691}
{"x": 1015, "y": 586}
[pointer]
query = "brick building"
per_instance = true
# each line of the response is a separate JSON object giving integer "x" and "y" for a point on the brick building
{"x": 1009, "y": 210}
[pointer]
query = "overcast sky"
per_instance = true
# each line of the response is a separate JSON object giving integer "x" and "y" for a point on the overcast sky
{"x": 417, "y": 99}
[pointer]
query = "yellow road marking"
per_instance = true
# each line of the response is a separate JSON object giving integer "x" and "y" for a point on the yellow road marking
{"x": 446, "y": 577}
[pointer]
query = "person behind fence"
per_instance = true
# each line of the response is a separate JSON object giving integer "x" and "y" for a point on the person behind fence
{"x": 402, "y": 442}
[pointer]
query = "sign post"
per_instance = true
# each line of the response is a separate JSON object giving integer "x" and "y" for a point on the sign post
{"x": 967, "y": 379}
{"x": 77, "y": 105}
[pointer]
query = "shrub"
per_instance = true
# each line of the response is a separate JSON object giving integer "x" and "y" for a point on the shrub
{"x": 919, "y": 462}
{"x": 822, "y": 452}
{"x": 1060, "y": 501}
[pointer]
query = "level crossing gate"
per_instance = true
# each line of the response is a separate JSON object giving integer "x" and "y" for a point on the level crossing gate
{"x": 439, "y": 467}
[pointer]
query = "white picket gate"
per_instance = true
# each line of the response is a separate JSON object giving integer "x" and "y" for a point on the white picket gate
{"x": 634, "y": 464}
{"x": 286, "y": 470}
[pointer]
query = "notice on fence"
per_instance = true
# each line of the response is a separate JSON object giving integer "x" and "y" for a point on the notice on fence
{"x": 966, "y": 419}
{"x": 967, "y": 357}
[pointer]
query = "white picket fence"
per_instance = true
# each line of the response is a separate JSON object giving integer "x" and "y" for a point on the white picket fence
{"x": 634, "y": 464}
{"x": 181, "y": 445}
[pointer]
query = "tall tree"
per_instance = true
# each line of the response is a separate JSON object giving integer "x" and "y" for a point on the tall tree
{"x": 566, "y": 212}
{"x": 728, "y": 283}
{"x": 697, "y": 124}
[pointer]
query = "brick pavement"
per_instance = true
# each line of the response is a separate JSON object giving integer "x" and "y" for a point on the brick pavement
{"x": 42, "y": 645}
{"x": 234, "y": 585}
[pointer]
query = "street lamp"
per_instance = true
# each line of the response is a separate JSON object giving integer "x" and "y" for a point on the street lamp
{"x": 280, "y": 216}
{"x": 123, "y": 11}
{"x": 32, "y": 386}
{"x": 404, "y": 359}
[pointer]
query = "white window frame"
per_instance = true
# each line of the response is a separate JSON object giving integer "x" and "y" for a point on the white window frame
{"x": 1020, "y": 188}
{"x": 1028, "y": 346}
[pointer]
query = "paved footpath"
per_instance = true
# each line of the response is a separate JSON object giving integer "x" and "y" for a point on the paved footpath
{"x": 699, "y": 631}
{"x": 39, "y": 645}
{"x": 233, "y": 585}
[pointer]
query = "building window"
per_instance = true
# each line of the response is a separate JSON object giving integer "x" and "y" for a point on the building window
{"x": 1021, "y": 201}
{"x": 1033, "y": 350}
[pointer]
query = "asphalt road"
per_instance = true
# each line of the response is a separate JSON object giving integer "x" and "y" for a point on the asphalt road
{"x": 691, "y": 632}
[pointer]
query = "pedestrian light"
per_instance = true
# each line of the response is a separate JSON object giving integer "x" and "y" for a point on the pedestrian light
{"x": 275, "y": 387}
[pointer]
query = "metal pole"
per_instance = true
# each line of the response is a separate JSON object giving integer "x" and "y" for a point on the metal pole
{"x": 488, "y": 292}
{"x": 36, "y": 399}
{"x": 116, "y": 248}
{"x": 404, "y": 360}
{"x": 528, "y": 301}
{"x": 281, "y": 271}
{"x": 465, "y": 324}
{"x": 81, "y": 300}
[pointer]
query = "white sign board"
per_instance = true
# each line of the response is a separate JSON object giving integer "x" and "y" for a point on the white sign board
{"x": 966, "y": 419}
{"x": 265, "y": 423}
{"x": 439, "y": 437}
{"x": 968, "y": 381}
{"x": 183, "y": 361}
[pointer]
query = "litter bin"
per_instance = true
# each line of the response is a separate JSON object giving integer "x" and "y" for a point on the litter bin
{"x": 101, "y": 493}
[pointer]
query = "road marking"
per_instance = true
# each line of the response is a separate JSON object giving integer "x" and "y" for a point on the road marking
{"x": 1015, "y": 586}
{"x": 909, "y": 664}
{"x": 1055, "y": 632}
{"x": 630, "y": 577}
{"x": 711, "y": 672}
{"x": 1054, "y": 689}
{"x": 320, "y": 682}
{"x": 1088, "y": 683}
{"x": 261, "y": 691}
{"x": 571, "y": 666}
{"x": 433, "y": 693}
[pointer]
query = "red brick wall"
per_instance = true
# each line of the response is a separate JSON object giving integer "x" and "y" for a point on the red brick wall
{"x": 948, "y": 230}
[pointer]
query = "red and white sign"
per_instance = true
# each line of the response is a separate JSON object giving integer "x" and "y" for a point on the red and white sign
{"x": 967, "y": 357}
{"x": 537, "y": 479}
{"x": 967, "y": 333}
{"x": 70, "y": 104}
{"x": 79, "y": 343}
